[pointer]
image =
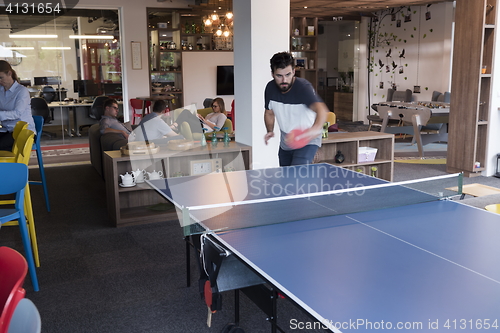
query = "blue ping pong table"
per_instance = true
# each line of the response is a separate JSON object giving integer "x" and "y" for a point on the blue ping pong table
{"x": 428, "y": 266}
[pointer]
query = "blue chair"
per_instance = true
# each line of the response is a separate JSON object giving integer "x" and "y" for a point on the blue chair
{"x": 36, "y": 145}
{"x": 16, "y": 183}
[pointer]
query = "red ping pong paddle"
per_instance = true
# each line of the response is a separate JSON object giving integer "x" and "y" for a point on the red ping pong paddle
{"x": 293, "y": 141}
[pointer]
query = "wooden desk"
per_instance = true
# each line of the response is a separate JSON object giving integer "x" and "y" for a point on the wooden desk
{"x": 136, "y": 205}
{"x": 65, "y": 108}
{"x": 76, "y": 108}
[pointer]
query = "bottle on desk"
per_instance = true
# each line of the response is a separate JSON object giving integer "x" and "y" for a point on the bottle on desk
{"x": 203, "y": 142}
{"x": 226, "y": 137}
{"x": 325, "y": 130}
{"x": 214, "y": 136}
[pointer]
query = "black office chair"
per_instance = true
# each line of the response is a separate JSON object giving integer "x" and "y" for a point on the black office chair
{"x": 48, "y": 94}
{"x": 96, "y": 110}
{"x": 39, "y": 107}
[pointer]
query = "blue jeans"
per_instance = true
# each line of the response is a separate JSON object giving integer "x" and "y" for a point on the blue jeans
{"x": 300, "y": 156}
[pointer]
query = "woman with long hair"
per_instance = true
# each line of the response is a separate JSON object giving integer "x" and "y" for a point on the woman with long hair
{"x": 213, "y": 120}
{"x": 15, "y": 105}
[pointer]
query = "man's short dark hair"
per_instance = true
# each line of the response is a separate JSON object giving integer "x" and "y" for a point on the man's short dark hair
{"x": 281, "y": 60}
{"x": 159, "y": 106}
{"x": 109, "y": 102}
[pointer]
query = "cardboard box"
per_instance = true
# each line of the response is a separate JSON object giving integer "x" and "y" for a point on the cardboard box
{"x": 366, "y": 154}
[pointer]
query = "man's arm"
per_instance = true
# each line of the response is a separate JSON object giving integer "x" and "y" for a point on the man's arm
{"x": 269, "y": 122}
{"x": 321, "y": 112}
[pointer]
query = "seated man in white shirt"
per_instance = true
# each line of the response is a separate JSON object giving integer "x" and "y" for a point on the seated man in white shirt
{"x": 153, "y": 128}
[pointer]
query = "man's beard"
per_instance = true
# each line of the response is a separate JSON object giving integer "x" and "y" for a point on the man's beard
{"x": 284, "y": 87}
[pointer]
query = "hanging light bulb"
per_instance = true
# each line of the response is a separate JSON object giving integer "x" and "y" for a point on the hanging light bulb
{"x": 219, "y": 32}
{"x": 226, "y": 32}
{"x": 229, "y": 15}
{"x": 207, "y": 22}
{"x": 215, "y": 18}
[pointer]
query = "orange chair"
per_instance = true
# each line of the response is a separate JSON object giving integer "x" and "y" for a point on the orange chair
{"x": 136, "y": 105}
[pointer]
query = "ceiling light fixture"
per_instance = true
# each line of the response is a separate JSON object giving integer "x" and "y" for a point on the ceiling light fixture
{"x": 56, "y": 48}
{"x": 32, "y": 36}
{"x": 91, "y": 37}
{"x": 19, "y": 47}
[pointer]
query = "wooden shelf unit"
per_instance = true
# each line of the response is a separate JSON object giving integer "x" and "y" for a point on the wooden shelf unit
{"x": 304, "y": 45}
{"x": 165, "y": 62}
{"x": 475, "y": 22}
{"x": 133, "y": 205}
{"x": 349, "y": 143}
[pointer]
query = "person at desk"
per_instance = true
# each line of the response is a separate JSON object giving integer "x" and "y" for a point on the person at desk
{"x": 15, "y": 105}
{"x": 216, "y": 118}
{"x": 294, "y": 103}
{"x": 153, "y": 127}
{"x": 109, "y": 123}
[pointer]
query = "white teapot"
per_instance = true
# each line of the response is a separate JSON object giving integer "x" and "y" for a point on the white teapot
{"x": 155, "y": 175}
{"x": 128, "y": 179}
{"x": 139, "y": 175}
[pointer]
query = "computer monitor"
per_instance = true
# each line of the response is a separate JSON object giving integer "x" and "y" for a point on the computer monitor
{"x": 26, "y": 83}
{"x": 47, "y": 80}
{"x": 40, "y": 81}
{"x": 85, "y": 88}
{"x": 112, "y": 89}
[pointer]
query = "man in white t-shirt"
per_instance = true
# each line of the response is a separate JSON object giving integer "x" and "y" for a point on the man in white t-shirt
{"x": 293, "y": 102}
{"x": 153, "y": 127}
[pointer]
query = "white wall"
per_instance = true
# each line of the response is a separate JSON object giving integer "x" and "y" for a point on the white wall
{"x": 261, "y": 29}
{"x": 427, "y": 45}
{"x": 199, "y": 75}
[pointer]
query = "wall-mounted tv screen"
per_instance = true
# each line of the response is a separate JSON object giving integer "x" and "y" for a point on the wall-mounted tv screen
{"x": 225, "y": 80}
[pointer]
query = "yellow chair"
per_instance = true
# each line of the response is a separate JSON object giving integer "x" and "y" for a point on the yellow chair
{"x": 24, "y": 144}
{"x": 20, "y": 125}
{"x": 495, "y": 208}
{"x": 331, "y": 118}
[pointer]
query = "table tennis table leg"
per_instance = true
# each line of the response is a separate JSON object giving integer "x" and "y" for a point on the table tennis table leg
{"x": 188, "y": 261}
{"x": 266, "y": 299}
{"x": 237, "y": 306}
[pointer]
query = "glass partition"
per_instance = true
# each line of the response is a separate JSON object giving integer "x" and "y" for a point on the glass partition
{"x": 68, "y": 61}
